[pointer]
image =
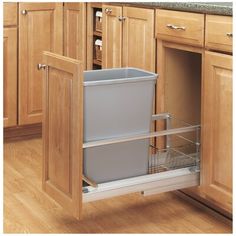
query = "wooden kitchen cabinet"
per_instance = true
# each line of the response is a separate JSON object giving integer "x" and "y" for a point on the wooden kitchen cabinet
{"x": 9, "y": 14}
{"x": 10, "y": 76}
{"x": 112, "y": 36}
{"x": 216, "y": 178}
{"x": 40, "y": 29}
{"x": 219, "y": 33}
{"x": 75, "y": 31}
{"x": 128, "y": 34}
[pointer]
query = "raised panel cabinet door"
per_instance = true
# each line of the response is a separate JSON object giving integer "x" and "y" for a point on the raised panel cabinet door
{"x": 217, "y": 130}
{"x": 10, "y": 76}
{"x": 63, "y": 131}
{"x": 138, "y": 38}
{"x": 40, "y": 29}
{"x": 111, "y": 36}
{"x": 75, "y": 31}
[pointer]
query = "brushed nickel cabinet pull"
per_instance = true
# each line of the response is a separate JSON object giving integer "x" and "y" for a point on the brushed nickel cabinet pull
{"x": 41, "y": 66}
{"x": 175, "y": 27}
{"x": 108, "y": 10}
{"x": 230, "y": 35}
{"x": 121, "y": 18}
{"x": 24, "y": 12}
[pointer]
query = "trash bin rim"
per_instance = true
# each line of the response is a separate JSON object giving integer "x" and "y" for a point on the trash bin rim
{"x": 150, "y": 76}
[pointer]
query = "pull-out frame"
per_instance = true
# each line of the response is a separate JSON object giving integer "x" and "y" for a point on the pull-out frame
{"x": 63, "y": 145}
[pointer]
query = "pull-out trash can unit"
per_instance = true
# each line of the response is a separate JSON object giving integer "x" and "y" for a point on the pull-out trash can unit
{"x": 117, "y": 102}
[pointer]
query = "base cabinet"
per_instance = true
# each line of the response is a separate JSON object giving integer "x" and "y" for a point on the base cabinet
{"x": 40, "y": 29}
{"x": 10, "y": 76}
{"x": 217, "y": 130}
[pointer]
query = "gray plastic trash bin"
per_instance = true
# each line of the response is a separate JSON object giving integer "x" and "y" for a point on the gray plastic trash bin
{"x": 117, "y": 102}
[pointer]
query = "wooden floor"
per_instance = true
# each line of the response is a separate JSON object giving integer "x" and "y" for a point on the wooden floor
{"x": 28, "y": 210}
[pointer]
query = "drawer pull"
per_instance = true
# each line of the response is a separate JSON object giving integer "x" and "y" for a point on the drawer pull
{"x": 175, "y": 27}
{"x": 108, "y": 10}
{"x": 230, "y": 35}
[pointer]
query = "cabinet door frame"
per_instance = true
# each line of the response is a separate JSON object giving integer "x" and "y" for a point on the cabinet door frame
{"x": 112, "y": 38}
{"x": 26, "y": 115}
{"x": 63, "y": 137}
{"x": 10, "y": 76}
{"x": 144, "y": 15}
{"x": 213, "y": 190}
{"x": 79, "y": 36}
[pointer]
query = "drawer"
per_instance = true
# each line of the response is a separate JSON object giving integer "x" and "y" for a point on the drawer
{"x": 219, "y": 33}
{"x": 9, "y": 14}
{"x": 180, "y": 27}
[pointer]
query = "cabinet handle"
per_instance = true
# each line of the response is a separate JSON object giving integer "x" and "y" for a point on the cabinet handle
{"x": 230, "y": 35}
{"x": 24, "y": 12}
{"x": 175, "y": 27}
{"x": 41, "y": 66}
{"x": 108, "y": 10}
{"x": 121, "y": 18}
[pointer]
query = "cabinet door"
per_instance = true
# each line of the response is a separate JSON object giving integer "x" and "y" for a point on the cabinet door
{"x": 10, "y": 76}
{"x": 63, "y": 131}
{"x": 111, "y": 37}
{"x": 217, "y": 130}
{"x": 40, "y": 29}
{"x": 75, "y": 31}
{"x": 138, "y": 38}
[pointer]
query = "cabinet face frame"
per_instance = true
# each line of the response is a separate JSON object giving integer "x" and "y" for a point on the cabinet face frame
{"x": 30, "y": 82}
{"x": 10, "y": 76}
{"x": 63, "y": 131}
{"x": 217, "y": 126}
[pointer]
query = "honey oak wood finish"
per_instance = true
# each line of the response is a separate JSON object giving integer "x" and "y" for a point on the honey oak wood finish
{"x": 193, "y": 34}
{"x": 217, "y": 130}
{"x": 10, "y": 76}
{"x": 63, "y": 131}
{"x": 27, "y": 209}
{"x": 138, "y": 38}
{"x": 217, "y": 28}
{"x": 75, "y": 31}
{"x": 41, "y": 28}
{"x": 9, "y": 13}
{"x": 111, "y": 37}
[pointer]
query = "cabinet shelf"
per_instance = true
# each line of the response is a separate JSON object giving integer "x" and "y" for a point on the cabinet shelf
{"x": 97, "y": 62}
{"x": 97, "y": 33}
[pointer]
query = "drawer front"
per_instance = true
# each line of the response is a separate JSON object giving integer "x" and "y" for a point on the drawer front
{"x": 180, "y": 27}
{"x": 219, "y": 33}
{"x": 9, "y": 14}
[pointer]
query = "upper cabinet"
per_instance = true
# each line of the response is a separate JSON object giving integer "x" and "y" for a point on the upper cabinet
{"x": 128, "y": 37}
{"x": 180, "y": 27}
{"x": 219, "y": 33}
{"x": 75, "y": 31}
{"x": 40, "y": 29}
{"x": 217, "y": 130}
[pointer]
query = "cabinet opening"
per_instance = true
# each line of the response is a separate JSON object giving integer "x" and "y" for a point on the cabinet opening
{"x": 182, "y": 92}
